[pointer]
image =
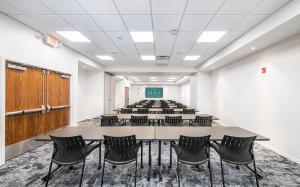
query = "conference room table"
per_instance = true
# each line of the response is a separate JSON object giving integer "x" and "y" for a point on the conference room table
{"x": 149, "y": 133}
{"x": 159, "y": 117}
{"x": 153, "y": 110}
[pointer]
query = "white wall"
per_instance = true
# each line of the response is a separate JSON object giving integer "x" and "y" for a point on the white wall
{"x": 204, "y": 98}
{"x": 90, "y": 94}
{"x": 185, "y": 93}
{"x": 137, "y": 92}
{"x": 19, "y": 43}
{"x": 268, "y": 103}
{"x": 120, "y": 92}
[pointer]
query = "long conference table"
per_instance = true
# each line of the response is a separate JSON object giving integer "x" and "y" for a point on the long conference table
{"x": 160, "y": 116}
{"x": 153, "y": 110}
{"x": 149, "y": 133}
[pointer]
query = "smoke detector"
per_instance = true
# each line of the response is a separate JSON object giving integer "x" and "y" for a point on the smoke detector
{"x": 162, "y": 60}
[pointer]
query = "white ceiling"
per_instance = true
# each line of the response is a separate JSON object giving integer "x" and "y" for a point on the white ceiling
{"x": 152, "y": 78}
{"x": 107, "y": 24}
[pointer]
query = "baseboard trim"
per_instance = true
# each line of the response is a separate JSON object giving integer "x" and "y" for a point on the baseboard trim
{"x": 278, "y": 151}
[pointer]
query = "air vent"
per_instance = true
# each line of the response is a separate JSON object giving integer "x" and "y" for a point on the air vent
{"x": 162, "y": 60}
{"x": 162, "y": 57}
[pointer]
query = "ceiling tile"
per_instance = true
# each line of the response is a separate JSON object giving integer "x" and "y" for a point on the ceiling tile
{"x": 182, "y": 47}
{"x": 110, "y": 22}
{"x": 120, "y": 37}
{"x": 191, "y": 37}
{"x": 194, "y": 22}
{"x": 64, "y": 6}
{"x": 30, "y": 6}
{"x": 269, "y": 6}
{"x": 54, "y": 22}
{"x": 99, "y": 6}
{"x": 133, "y": 6}
{"x": 7, "y": 8}
{"x": 223, "y": 22}
{"x": 168, "y": 6}
{"x": 145, "y": 46}
{"x": 164, "y": 37}
{"x": 200, "y": 48}
{"x": 229, "y": 37}
{"x": 166, "y": 22}
{"x": 101, "y": 40}
{"x": 248, "y": 22}
{"x": 82, "y": 22}
{"x": 238, "y": 6}
{"x": 163, "y": 48}
{"x": 27, "y": 20}
{"x": 138, "y": 22}
{"x": 203, "y": 7}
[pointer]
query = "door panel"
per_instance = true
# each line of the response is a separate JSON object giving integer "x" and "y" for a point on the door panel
{"x": 57, "y": 119}
{"x": 58, "y": 88}
{"x": 24, "y": 89}
{"x": 22, "y": 127}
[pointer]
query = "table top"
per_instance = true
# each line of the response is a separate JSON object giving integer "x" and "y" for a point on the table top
{"x": 153, "y": 109}
{"x": 217, "y": 132}
{"x": 160, "y": 116}
{"x": 96, "y": 133}
{"x": 150, "y": 133}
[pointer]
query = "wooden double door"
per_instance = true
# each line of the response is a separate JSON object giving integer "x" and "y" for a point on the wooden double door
{"x": 37, "y": 101}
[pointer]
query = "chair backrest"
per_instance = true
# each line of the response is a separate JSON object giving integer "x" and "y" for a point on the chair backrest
{"x": 68, "y": 150}
{"x": 143, "y": 111}
{"x": 193, "y": 149}
{"x": 168, "y": 111}
{"x": 139, "y": 120}
{"x": 237, "y": 149}
{"x": 109, "y": 120}
{"x": 204, "y": 120}
{"x": 188, "y": 111}
{"x": 126, "y": 110}
{"x": 173, "y": 120}
{"x": 120, "y": 149}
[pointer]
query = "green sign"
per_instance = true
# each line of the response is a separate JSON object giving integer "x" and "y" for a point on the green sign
{"x": 154, "y": 92}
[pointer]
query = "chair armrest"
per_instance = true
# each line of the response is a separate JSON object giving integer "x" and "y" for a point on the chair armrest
{"x": 122, "y": 122}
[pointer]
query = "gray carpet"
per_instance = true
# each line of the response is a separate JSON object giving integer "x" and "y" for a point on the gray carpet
{"x": 29, "y": 168}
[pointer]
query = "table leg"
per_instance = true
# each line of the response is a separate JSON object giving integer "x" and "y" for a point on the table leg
{"x": 150, "y": 162}
{"x": 99, "y": 166}
{"x": 159, "y": 160}
{"x": 170, "y": 166}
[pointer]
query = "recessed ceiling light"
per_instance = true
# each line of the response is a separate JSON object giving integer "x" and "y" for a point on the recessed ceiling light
{"x": 142, "y": 36}
{"x": 210, "y": 36}
{"x": 152, "y": 77}
{"x": 104, "y": 57}
{"x": 153, "y": 80}
{"x": 252, "y": 48}
{"x": 74, "y": 36}
{"x": 147, "y": 57}
{"x": 191, "y": 57}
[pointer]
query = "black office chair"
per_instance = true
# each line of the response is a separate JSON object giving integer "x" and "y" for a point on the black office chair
{"x": 205, "y": 121}
{"x": 68, "y": 151}
{"x": 143, "y": 111}
{"x": 188, "y": 111}
{"x": 238, "y": 151}
{"x": 126, "y": 110}
{"x": 110, "y": 120}
{"x": 120, "y": 150}
{"x": 172, "y": 121}
{"x": 140, "y": 121}
{"x": 192, "y": 151}
{"x": 168, "y": 111}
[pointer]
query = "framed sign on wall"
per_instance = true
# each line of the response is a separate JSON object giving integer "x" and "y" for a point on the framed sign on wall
{"x": 154, "y": 92}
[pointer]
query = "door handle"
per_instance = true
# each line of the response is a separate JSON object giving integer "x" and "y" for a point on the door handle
{"x": 59, "y": 107}
{"x": 14, "y": 113}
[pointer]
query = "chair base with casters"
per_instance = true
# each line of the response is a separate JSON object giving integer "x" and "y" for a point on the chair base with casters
{"x": 230, "y": 153}
{"x": 69, "y": 151}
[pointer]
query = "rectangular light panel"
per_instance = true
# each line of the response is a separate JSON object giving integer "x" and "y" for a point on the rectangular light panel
{"x": 73, "y": 36}
{"x": 211, "y": 36}
{"x": 142, "y": 36}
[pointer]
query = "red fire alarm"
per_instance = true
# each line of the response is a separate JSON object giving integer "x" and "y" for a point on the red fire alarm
{"x": 263, "y": 70}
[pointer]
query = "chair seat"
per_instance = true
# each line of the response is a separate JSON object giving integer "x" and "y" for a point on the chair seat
{"x": 192, "y": 157}
{"x": 233, "y": 156}
{"x": 122, "y": 156}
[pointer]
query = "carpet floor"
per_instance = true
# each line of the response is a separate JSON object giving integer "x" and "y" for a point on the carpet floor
{"x": 28, "y": 169}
